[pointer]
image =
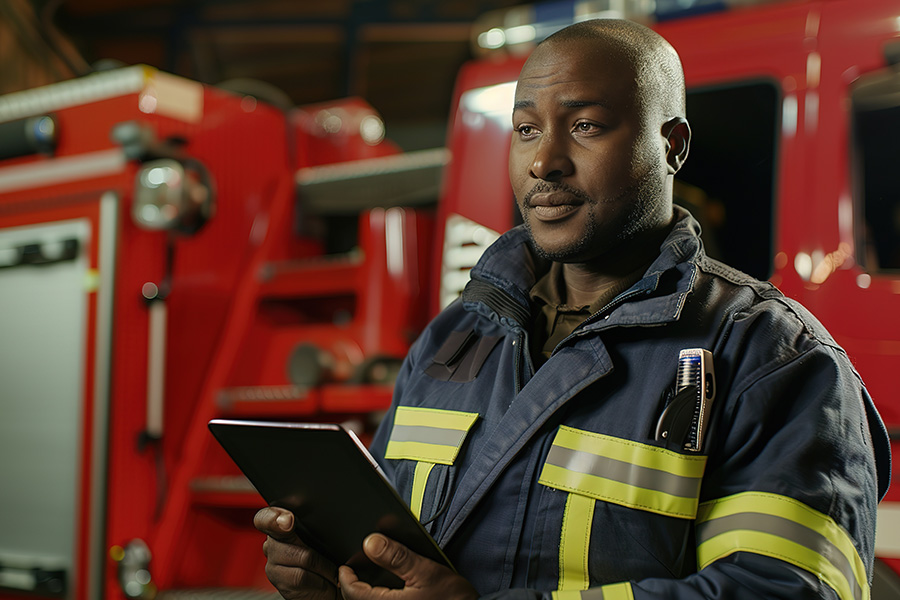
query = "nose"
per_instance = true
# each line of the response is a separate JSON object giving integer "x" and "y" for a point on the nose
{"x": 551, "y": 160}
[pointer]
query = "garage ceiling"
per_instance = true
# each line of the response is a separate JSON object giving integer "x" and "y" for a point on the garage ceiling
{"x": 400, "y": 55}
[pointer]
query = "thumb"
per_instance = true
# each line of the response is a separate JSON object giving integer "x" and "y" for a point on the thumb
{"x": 395, "y": 557}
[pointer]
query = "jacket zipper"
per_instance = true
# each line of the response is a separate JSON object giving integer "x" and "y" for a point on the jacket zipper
{"x": 517, "y": 365}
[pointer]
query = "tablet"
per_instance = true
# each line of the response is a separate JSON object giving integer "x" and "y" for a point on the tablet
{"x": 337, "y": 492}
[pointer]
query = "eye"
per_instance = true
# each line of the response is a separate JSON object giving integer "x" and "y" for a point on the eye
{"x": 587, "y": 127}
{"x": 526, "y": 131}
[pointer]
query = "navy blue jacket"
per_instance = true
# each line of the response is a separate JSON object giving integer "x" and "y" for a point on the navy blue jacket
{"x": 555, "y": 483}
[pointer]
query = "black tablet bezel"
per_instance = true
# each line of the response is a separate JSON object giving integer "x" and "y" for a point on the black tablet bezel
{"x": 326, "y": 477}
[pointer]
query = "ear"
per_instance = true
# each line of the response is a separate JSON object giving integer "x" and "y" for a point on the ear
{"x": 678, "y": 140}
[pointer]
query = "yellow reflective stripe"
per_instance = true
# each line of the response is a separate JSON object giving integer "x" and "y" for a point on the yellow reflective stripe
{"x": 624, "y": 472}
{"x": 420, "y": 478}
{"x": 434, "y": 417}
{"x": 574, "y": 543}
{"x": 428, "y": 434}
{"x": 612, "y": 591}
{"x": 786, "y": 529}
{"x": 642, "y": 455}
{"x": 775, "y": 546}
{"x": 617, "y": 591}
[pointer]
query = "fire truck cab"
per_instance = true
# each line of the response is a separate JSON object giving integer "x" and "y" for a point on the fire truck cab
{"x": 791, "y": 171}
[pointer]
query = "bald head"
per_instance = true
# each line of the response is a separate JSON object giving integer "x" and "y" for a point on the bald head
{"x": 658, "y": 73}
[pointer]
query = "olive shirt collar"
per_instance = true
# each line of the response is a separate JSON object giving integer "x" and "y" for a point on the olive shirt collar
{"x": 554, "y": 320}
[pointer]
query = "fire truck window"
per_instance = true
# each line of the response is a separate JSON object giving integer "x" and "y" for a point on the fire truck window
{"x": 728, "y": 180}
{"x": 876, "y": 116}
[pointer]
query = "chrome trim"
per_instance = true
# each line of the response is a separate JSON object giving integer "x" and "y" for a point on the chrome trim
{"x": 464, "y": 243}
{"x": 60, "y": 170}
{"x": 74, "y": 92}
{"x": 107, "y": 240}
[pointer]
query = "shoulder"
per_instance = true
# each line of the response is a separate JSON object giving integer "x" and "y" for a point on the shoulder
{"x": 758, "y": 307}
{"x": 761, "y": 333}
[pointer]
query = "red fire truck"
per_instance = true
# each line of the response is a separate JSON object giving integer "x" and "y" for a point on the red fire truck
{"x": 172, "y": 252}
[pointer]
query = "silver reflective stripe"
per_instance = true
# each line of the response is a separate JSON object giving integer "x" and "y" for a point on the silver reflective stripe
{"x": 784, "y": 528}
{"x": 624, "y": 472}
{"x": 427, "y": 435}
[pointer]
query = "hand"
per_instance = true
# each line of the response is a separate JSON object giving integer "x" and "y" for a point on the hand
{"x": 424, "y": 579}
{"x": 297, "y": 571}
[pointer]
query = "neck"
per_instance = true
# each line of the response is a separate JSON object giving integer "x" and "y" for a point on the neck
{"x": 585, "y": 282}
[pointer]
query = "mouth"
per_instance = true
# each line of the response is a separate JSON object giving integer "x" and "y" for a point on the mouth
{"x": 552, "y": 205}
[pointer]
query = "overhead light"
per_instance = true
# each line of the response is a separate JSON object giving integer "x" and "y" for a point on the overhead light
{"x": 492, "y": 39}
{"x": 521, "y": 34}
{"x": 493, "y": 100}
{"x": 518, "y": 28}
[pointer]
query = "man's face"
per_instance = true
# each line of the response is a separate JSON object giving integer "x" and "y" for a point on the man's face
{"x": 586, "y": 165}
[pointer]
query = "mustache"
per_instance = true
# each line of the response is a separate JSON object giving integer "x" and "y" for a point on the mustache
{"x": 543, "y": 187}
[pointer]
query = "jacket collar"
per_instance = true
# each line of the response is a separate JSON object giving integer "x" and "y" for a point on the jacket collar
{"x": 509, "y": 268}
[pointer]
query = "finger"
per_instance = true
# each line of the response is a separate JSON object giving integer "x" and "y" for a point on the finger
{"x": 398, "y": 559}
{"x": 347, "y": 579}
{"x": 385, "y": 553}
{"x": 353, "y": 589}
{"x": 275, "y": 522}
{"x": 348, "y": 576}
{"x": 301, "y": 582}
{"x": 297, "y": 555}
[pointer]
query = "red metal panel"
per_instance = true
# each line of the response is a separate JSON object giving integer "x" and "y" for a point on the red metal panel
{"x": 476, "y": 184}
{"x": 770, "y": 44}
{"x": 851, "y": 42}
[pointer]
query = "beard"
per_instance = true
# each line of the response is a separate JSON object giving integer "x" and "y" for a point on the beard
{"x": 586, "y": 235}
{"x": 641, "y": 199}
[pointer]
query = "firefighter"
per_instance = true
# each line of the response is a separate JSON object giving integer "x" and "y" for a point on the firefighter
{"x": 538, "y": 428}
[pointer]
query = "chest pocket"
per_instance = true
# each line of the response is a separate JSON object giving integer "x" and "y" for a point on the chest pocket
{"x": 428, "y": 437}
{"x": 591, "y": 466}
